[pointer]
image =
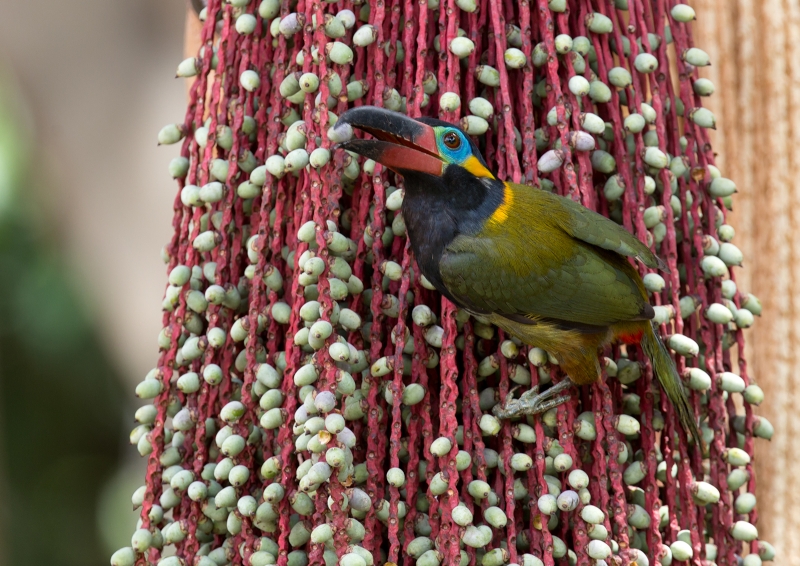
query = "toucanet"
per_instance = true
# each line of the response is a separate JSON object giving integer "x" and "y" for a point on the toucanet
{"x": 540, "y": 266}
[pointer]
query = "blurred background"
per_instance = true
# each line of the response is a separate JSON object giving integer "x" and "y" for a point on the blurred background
{"x": 86, "y": 205}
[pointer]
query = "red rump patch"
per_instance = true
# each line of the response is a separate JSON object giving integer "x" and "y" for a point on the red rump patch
{"x": 631, "y": 337}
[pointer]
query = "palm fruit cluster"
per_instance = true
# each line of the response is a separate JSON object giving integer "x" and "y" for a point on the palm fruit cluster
{"x": 315, "y": 402}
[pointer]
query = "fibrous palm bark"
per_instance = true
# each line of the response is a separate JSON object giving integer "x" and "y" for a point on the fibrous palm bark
{"x": 758, "y": 146}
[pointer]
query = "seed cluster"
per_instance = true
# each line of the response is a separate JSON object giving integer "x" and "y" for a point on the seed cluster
{"x": 315, "y": 401}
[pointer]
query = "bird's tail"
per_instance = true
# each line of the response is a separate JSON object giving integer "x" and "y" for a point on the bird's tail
{"x": 667, "y": 373}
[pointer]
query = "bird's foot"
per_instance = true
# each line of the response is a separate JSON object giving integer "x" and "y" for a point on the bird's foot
{"x": 532, "y": 402}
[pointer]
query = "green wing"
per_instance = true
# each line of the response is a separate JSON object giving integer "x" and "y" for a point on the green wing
{"x": 595, "y": 229}
{"x": 549, "y": 261}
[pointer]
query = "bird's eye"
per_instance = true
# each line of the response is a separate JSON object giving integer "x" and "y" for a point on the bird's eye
{"x": 452, "y": 140}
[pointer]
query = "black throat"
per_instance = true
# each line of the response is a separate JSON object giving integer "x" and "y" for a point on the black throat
{"x": 437, "y": 209}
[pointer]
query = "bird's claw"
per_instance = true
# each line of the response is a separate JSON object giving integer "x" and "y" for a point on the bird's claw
{"x": 510, "y": 395}
{"x": 531, "y": 402}
{"x": 511, "y": 407}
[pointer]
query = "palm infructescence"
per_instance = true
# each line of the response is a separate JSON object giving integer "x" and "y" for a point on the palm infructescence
{"x": 315, "y": 400}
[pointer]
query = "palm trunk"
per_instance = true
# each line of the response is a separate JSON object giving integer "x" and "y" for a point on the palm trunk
{"x": 759, "y": 146}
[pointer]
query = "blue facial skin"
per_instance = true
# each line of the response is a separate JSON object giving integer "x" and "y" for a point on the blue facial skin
{"x": 456, "y": 156}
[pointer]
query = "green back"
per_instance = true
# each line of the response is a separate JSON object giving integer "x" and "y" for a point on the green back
{"x": 550, "y": 258}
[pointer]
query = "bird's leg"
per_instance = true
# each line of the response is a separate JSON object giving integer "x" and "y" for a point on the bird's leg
{"x": 532, "y": 402}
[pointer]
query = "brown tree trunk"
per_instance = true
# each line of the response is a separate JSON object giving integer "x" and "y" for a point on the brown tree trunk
{"x": 191, "y": 38}
{"x": 757, "y": 104}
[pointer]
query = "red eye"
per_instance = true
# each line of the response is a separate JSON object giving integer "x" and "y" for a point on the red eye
{"x": 452, "y": 140}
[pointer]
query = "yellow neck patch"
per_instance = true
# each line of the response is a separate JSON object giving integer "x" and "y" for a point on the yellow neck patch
{"x": 500, "y": 215}
{"x": 474, "y": 166}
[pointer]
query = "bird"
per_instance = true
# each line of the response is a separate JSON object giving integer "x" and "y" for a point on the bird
{"x": 540, "y": 266}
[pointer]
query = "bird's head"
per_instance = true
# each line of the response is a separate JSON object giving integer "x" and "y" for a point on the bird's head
{"x": 412, "y": 147}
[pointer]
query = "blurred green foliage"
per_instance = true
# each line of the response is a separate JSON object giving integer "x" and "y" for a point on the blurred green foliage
{"x": 61, "y": 404}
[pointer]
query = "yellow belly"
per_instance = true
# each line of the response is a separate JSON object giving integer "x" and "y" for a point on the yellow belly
{"x": 576, "y": 352}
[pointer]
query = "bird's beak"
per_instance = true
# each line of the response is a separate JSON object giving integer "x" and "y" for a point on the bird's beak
{"x": 401, "y": 144}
